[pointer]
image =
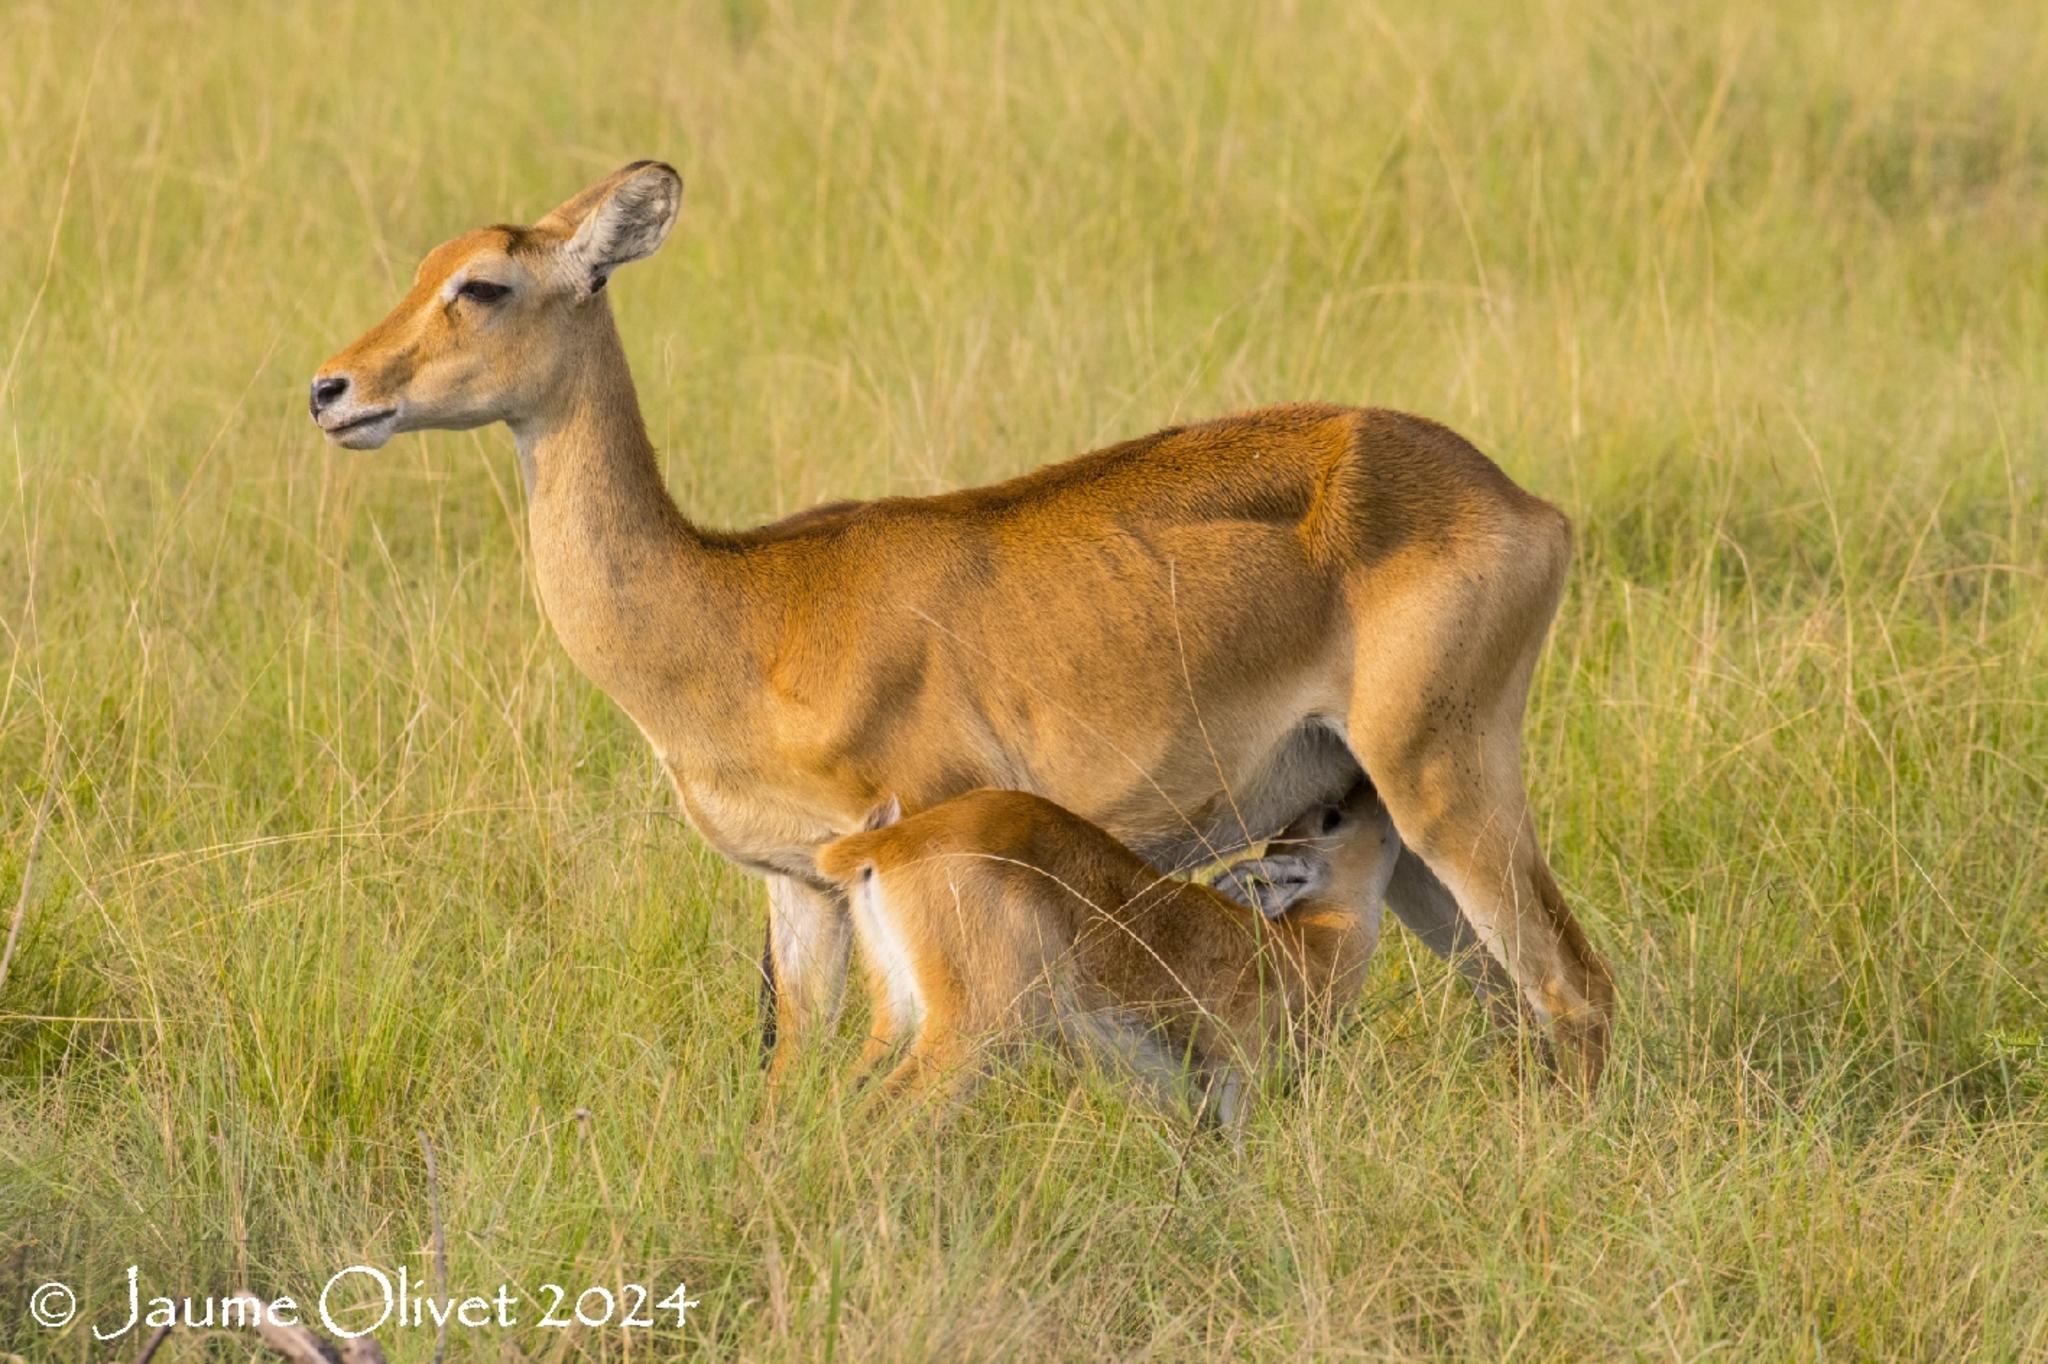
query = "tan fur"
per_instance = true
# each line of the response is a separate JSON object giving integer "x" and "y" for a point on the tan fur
{"x": 1188, "y": 639}
{"x": 1015, "y": 915}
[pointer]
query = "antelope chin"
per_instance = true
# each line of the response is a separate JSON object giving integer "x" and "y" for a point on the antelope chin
{"x": 363, "y": 431}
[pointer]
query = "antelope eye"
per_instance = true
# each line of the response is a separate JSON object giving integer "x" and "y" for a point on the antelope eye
{"x": 483, "y": 291}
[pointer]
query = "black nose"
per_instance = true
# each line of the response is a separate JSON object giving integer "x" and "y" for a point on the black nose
{"x": 326, "y": 393}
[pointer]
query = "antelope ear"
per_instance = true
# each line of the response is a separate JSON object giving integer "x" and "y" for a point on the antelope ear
{"x": 621, "y": 218}
{"x": 884, "y": 814}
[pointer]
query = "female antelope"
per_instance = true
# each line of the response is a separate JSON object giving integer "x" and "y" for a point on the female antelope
{"x": 1188, "y": 639}
{"x": 1000, "y": 913}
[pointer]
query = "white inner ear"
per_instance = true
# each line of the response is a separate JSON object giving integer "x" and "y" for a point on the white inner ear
{"x": 631, "y": 223}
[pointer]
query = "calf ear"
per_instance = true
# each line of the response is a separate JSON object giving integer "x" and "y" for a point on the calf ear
{"x": 622, "y": 218}
{"x": 1275, "y": 883}
{"x": 884, "y": 814}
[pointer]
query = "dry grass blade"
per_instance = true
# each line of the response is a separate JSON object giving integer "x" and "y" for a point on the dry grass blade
{"x": 28, "y": 875}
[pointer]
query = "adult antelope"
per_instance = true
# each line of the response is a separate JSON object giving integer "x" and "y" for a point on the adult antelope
{"x": 1190, "y": 639}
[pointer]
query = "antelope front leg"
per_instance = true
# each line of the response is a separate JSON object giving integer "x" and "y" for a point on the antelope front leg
{"x": 810, "y": 936}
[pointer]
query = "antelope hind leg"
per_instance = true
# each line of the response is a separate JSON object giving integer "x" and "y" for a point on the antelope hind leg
{"x": 1467, "y": 817}
{"x": 1426, "y": 908}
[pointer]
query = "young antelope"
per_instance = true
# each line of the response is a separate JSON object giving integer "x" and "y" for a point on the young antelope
{"x": 999, "y": 914}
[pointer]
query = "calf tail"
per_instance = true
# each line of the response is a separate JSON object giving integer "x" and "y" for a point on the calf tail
{"x": 844, "y": 859}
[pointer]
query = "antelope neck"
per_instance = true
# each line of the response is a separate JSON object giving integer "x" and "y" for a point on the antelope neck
{"x": 630, "y": 586}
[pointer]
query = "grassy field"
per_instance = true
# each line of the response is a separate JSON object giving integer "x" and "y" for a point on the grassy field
{"x": 342, "y": 850}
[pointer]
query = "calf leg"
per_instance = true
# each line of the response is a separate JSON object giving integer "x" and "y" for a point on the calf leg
{"x": 891, "y": 972}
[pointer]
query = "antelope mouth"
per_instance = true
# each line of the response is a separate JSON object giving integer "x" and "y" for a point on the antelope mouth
{"x": 365, "y": 432}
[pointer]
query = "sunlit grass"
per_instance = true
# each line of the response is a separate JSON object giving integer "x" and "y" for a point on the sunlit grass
{"x": 343, "y": 849}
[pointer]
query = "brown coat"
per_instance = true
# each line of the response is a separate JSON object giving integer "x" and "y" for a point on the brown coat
{"x": 1189, "y": 639}
{"x": 999, "y": 912}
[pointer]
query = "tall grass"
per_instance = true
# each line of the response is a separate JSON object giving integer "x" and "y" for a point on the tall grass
{"x": 341, "y": 848}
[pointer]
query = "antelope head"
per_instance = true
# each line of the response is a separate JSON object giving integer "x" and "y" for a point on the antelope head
{"x": 497, "y": 319}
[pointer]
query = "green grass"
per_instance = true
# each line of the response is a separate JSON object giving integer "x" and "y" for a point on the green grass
{"x": 341, "y": 847}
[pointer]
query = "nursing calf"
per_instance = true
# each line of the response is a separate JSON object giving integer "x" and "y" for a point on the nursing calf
{"x": 999, "y": 915}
